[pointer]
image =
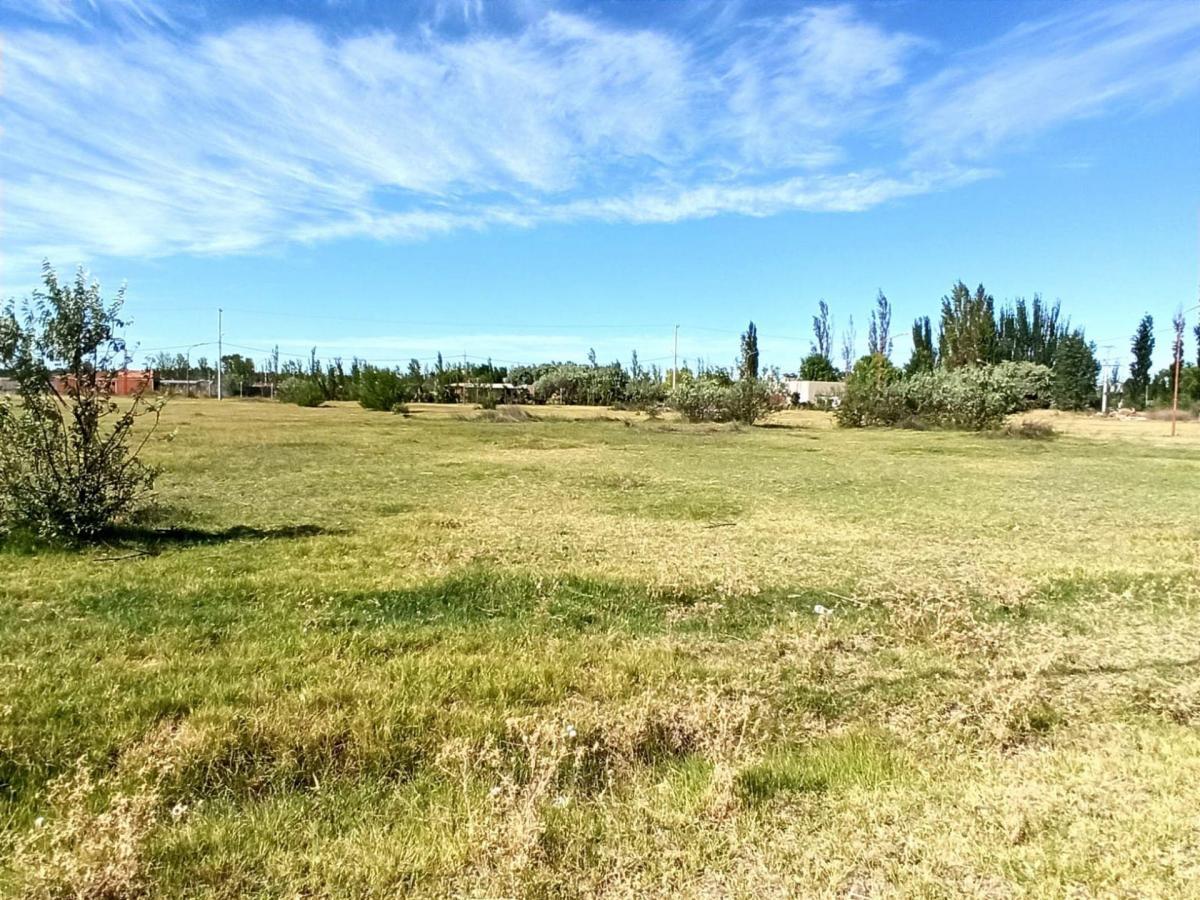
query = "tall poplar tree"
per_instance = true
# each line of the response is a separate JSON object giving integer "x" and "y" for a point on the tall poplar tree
{"x": 1142, "y": 348}
{"x": 968, "y": 328}
{"x": 823, "y": 332}
{"x": 748, "y": 364}
{"x": 879, "y": 338}
{"x": 924, "y": 354}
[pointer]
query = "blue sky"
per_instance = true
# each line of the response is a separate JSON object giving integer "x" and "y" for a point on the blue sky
{"x": 529, "y": 180}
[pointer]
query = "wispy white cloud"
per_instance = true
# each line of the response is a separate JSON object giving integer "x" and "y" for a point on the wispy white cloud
{"x": 140, "y": 139}
{"x": 1083, "y": 63}
{"x": 90, "y": 12}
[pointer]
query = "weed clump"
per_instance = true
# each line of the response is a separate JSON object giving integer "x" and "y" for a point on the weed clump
{"x": 77, "y": 852}
{"x": 1029, "y": 430}
{"x": 503, "y": 414}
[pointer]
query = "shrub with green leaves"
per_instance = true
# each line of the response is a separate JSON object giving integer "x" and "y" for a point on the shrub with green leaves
{"x": 571, "y": 383}
{"x": 750, "y": 399}
{"x": 699, "y": 400}
{"x": 301, "y": 390}
{"x": 873, "y": 395}
{"x": 970, "y": 398}
{"x": 703, "y": 400}
{"x": 1024, "y": 385}
{"x": 69, "y": 467}
{"x": 382, "y": 389}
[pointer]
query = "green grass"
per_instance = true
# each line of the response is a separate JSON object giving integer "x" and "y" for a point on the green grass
{"x": 839, "y": 763}
{"x": 362, "y": 654}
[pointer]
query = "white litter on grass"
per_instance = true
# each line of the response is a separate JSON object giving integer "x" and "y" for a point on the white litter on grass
{"x": 822, "y": 610}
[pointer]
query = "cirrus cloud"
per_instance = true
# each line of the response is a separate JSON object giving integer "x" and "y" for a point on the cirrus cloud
{"x": 143, "y": 139}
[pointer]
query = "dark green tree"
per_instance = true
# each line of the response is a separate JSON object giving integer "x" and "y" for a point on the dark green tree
{"x": 238, "y": 372}
{"x": 748, "y": 362}
{"x": 924, "y": 354}
{"x": 816, "y": 367}
{"x": 968, "y": 328}
{"x": 823, "y": 332}
{"x": 1029, "y": 333}
{"x": 1142, "y": 348}
{"x": 1073, "y": 378}
{"x": 879, "y": 338}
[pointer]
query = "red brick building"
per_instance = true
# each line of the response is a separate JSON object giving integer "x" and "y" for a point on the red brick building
{"x": 125, "y": 383}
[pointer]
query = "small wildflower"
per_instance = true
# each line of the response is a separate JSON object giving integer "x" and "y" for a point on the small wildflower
{"x": 39, "y": 822}
{"x": 178, "y": 811}
{"x": 561, "y": 801}
{"x": 494, "y": 792}
{"x": 571, "y": 733}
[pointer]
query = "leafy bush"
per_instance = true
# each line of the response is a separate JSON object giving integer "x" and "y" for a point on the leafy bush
{"x": 571, "y": 383}
{"x": 68, "y": 469}
{"x": 699, "y": 401}
{"x": 301, "y": 390}
{"x": 1024, "y": 385}
{"x": 873, "y": 395}
{"x": 645, "y": 393}
{"x": 381, "y": 389}
{"x": 745, "y": 401}
{"x": 970, "y": 397}
{"x": 751, "y": 399}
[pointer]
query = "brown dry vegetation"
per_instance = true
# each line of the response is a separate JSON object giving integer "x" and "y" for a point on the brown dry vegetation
{"x": 577, "y": 655}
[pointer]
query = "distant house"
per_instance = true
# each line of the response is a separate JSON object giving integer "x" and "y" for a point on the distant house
{"x": 125, "y": 383}
{"x": 501, "y": 391}
{"x": 814, "y": 393}
{"x": 8, "y": 386}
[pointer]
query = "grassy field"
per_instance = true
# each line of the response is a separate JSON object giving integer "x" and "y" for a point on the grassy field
{"x": 580, "y": 655}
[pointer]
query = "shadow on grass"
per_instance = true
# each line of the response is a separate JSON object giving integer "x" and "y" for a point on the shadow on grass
{"x": 156, "y": 539}
{"x": 1153, "y": 665}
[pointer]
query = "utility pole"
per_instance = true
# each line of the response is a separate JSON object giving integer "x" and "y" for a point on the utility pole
{"x": 220, "y": 350}
{"x": 675, "y": 367}
{"x": 1178, "y": 323}
{"x": 1104, "y": 394}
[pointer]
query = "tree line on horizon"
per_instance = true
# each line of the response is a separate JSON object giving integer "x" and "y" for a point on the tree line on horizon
{"x": 971, "y": 330}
